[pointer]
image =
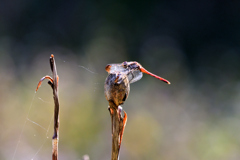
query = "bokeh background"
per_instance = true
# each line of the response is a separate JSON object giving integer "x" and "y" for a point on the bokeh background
{"x": 193, "y": 44}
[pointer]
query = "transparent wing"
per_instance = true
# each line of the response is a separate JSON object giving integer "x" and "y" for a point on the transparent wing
{"x": 134, "y": 76}
{"x": 117, "y": 68}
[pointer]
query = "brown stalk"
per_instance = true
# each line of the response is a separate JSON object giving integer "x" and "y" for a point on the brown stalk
{"x": 116, "y": 91}
{"x": 118, "y": 124}
{"x": 53, "y": 82}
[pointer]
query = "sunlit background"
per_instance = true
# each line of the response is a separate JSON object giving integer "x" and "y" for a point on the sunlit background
{"x": 194, "y": 45}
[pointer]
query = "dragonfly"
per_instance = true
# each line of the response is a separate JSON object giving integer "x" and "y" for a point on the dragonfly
{"x": 117, "y": 84}
{"x": 133, "y": 70}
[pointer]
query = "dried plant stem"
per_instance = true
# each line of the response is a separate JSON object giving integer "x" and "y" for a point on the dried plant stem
{"x": 55, "y": 137}
{"x": 53, "y": 82}
{"x": 118, "y": 124}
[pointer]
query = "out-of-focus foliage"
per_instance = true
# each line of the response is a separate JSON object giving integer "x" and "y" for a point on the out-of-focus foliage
{"x": 195, "y": 45}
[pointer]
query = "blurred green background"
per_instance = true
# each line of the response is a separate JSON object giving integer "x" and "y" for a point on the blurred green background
{"x": 193, "y": 44}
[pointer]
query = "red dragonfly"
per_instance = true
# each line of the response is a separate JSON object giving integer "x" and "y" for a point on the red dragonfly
{"x": 133, "y": 70}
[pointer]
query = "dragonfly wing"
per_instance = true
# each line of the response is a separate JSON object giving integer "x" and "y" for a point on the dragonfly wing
{"x": 116, "y": 68}
{"x": 134, "y": 76}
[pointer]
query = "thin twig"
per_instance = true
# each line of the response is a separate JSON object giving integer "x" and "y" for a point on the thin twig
{"x": 53, "y": 82}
